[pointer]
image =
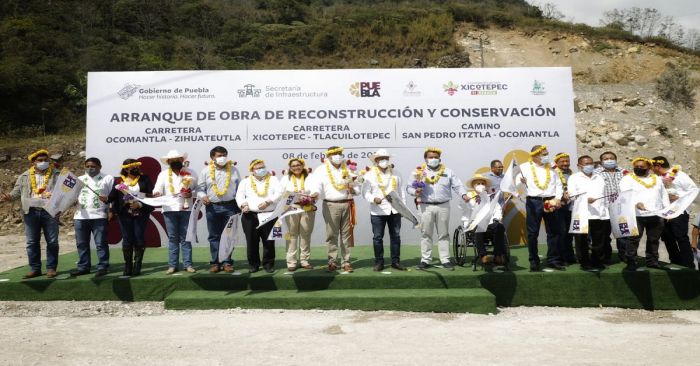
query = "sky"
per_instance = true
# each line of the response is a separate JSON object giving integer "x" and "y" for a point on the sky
{"x": 686, "y": 12}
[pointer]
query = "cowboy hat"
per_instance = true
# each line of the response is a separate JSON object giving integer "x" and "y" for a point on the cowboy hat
{"x": 172, "y": 154}
{"x": 476, "y": 177}
{"x": 381, "y": 153}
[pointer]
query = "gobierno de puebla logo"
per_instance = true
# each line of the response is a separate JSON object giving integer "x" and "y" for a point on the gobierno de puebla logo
{"x": 366, "y": 89}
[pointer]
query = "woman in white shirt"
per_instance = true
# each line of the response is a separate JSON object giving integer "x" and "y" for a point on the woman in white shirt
{"x": 299, "y": 226}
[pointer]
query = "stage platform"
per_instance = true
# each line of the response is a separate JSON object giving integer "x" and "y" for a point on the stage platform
{"x": 435, "y": 289}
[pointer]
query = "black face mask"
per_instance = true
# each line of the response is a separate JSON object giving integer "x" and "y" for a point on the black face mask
{"x": 177, "y": 165}
{"x": 134, "y": 172}
{"x": 640, "y": 172}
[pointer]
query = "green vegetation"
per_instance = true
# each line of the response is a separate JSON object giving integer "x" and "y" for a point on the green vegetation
{"x": 676, "y": 87}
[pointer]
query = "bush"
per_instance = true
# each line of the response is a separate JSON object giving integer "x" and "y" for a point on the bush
{"x": 675, "y": 86}
{"x": 325, "y": 41}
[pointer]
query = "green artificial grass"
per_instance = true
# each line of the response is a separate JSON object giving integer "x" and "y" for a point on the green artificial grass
{"x": 649, "y": 289}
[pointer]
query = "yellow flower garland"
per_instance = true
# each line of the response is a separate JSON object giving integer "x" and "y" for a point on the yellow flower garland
{"x": 170, "y": 181}
{"x": 212, "y": 175}
{"x": 647, "y": 186}
{"x": 32, "y": 179}
{"x": 674, "y": 170}
{"x": 437, "y": 176}
{"x": 538, "y": 150}
{"x": 344, "y": 170}
{"x": 379, "y": 181}
{"x": 561, "y": 178}
{"x": 255, "y": 187}
{"x": 130, "y": 182}
{"x": 294, "y": 180}
{"x": 537, "y": 181}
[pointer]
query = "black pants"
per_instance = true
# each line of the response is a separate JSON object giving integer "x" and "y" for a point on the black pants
{"x": 534, "y": 216}
{"x": 495, "y": 232}
{"x": 598, "y": 230}
{"x": 566, "y": 240}
{"x": 675, "y": 237}
{"x": 654, "y": 226}
{"x": 253, "y": 236}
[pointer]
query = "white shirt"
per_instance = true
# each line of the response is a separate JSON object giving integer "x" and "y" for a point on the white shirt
{"x": 204, "y": 187}
{"x": 654, "y": 198}
{"x": 323, "y": 186}
{"x": 372, "y": 189}
{"x": 287, "y": 184}
{"x": 553, "y": 189}
{"x": 681, "y": 184}
{"x": 440, "y": 191}
{"x": 89, "y": 204}
{"x": 472, "y": 207}
{"x": 594, "y": 187}
{"x": 162, "y": 186}
{"x": 245, "y": 195}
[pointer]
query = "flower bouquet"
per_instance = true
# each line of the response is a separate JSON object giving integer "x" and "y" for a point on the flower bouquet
{"x": 418, "y": 184}
{"x": 129, "y": 199}
{"x": 186, "y": 182}
{"x": 551, "y": 205}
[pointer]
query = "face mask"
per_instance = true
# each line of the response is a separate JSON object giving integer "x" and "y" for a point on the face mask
{"x": 336, "y": 159}
{"x": 588, "y": 169}
{"x": 43, "y": 165}
{"x": 260, "y": 172}
{"x": 92, "y": 171}
{"x": 433, "y": 163}
{"x": 479, "y": 188}
{"x": 545, "y": 159}
{"x": 383, "y": 164}
{"x": 609, "y": 164}
{"x": 640, "y": 172}
{"x": 134, "y": 172}
{"x": 221, "y": 160}
{"x": 177, "y": 165}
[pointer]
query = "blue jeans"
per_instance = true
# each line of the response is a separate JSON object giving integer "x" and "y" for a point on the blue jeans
{"x": 217, "y": 217}
{"x": 393, "y": 221}
{"x": 534, "y": 215}
{"x": 34, "y": 221}
{"x": 176, "y": 225}
{"x": 83, "y": 230}
{"x": 133, "y": 230}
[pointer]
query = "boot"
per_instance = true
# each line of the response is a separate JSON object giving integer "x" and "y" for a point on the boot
{"x": 128, "y": 253}
{"x": 138, "y": 259}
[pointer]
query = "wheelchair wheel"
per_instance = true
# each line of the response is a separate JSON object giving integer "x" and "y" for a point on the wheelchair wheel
{"x": 459, "y": 246}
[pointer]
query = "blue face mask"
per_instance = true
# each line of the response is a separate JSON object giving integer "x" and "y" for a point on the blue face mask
{"x": 545, "y": 159}
{"x": 588, "y": 169}
{"x": 260, "y": 172}
{"x": 609, "y": 164}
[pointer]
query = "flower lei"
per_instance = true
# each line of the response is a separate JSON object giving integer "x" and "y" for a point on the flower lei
{"x": 212, "y": 175}
{"x": 255, "y": 187}
{"x": 344, "y": 170}
{"x": 537, "y": 181}
{"x": 32, "y": 179}
{"x": 653, "y": 180}
{"x": 434, "y": 179}
{"x": 379, "y": 181}
{"x": 130, "y": 182}
{"x": 538, "y": 150}
{"x": 170, "y": 180}
{"x": 294, "y": 180}
{"x": 83, "y": 194}
{"x": 561, "y": 178}
{"x": 674, "y": 170}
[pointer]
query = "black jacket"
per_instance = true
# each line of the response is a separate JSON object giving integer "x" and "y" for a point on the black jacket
{"x": 116, "y": 197}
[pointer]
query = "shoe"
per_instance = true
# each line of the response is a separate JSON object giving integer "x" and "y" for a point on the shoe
{"x": 269, "y": 269}
{"x": 654, "y": 265}
{"x": 214, "y": 268}
{"x": 378, "y": 267}
{"x": 228, "y": 268}
{"x": 423, "y": 265}
{"x": 138, "y": 260}
{"x": 448, "y": 266}
{"x": 398, "y": 267}
{"x": 78, "y": 272}
{"x": 348, "y": 268}
{"x": 190, "y": 269}
{"x": 534, "y": 267}
{"x": 51, "y": 273}
{"x": 32, "y": 274}
{"x": 556, "y": 266}
{"x": 253, "y": 269}
{"x": 485, "y": 260}
{"x": 128, "y": 254}
{"x": 291, "y": 269}
{"x": 171, "y": 270}
{"x": 631, "y": 265}
{"x": 101, "y": 272}
{"x": 499, "y": 260}
{"x": 307, "y": 266}
{"x": 586, "y": 267}
{"x": 332, "y": 267}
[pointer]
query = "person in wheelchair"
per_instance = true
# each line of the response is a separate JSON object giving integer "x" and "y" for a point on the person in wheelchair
{"x": 488, "y": 227}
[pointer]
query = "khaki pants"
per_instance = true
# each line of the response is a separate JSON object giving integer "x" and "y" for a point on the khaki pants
{"x": 435, "y": 216}
{"x": 337, "y": 218}
{"x": 299, "y": 228}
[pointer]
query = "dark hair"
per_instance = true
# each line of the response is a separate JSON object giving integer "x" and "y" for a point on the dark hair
{"x": 584, "y": 157}
{"x": 94, "y": 160}
{"x": 535, "y": 148}
{"x": 493, "y": 162}
{"x": 304, "y": 171}
{"x": 425, "y": 154}
{"x": 606, "y": 153}
{"x": 664, "y": 162}
{"x": 217, "y": 149}
{"x": 124, "y": 172}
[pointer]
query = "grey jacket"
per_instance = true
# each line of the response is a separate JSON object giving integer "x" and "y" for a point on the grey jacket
{"x": 23, "y": 188}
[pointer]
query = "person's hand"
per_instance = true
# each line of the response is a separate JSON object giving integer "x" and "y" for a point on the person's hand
{"x": 104, "y": 199}
{"x": 377, "y": 200}
{"x": 641, "y": 206}
{"x": 186, "y": 194}
{"x": 156, "y": 194}
{"x": 672, "y": 197}
{"x": 419, "y": 191}
{"x": 565, "y": 196}
{"x": 205, "y": 201}
{"x": 263, "y": 205}
{"x": 465, "y": 198}
{"x": 591, "y": 199}
{"x": 523, "y": 180}
{"x": 110, "y": 216}
{"x": 46, "y": 195}
{"x": 135, "y": 205}
{"x": 245, "y": 209}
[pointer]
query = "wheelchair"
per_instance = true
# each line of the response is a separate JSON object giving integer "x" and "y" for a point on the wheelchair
{"x": 462, "y": 240}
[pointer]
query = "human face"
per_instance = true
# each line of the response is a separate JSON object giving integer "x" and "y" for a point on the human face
{"x": 497, "y": 168}
{"x": 564, "y": 163}
{"x": 584, "y": 162}
{"x": 542, "y": 157}
{"x": 296, "y": 167}
{"x": 92, "y": 169}
{"x": 639, "y": 166}
{"x": 259, "y": 168}
{"x": 41, "y": 162}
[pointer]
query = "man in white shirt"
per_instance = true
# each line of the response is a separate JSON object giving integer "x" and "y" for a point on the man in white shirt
{"x": 650, "y": 196}
{"x": 433, "y": 186}
{"x": 178, "y": 184}
{"x": 477, "y": 199}
{"x": 335, "y": 183}
{"x": 544, "y": 192}
{"x": 675, "y": 234}
{"x": 217, "y": 187}
{"x": 379, "y": 182}
{"x": 90, "y": 218}
{"x": 257, "y": 196}
{"x": 589, "y": 187}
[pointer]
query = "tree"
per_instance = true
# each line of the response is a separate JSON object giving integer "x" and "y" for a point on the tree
{"x": 675, "y": 87}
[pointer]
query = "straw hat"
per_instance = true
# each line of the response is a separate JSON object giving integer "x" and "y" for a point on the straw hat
{"x": 477, "y": 177}
{"x": 381, "y": 153}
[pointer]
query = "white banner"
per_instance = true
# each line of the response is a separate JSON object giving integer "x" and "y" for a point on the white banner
{"x": 65, "y": 193}
{"x": 579, "y": 215}
{"x": 228, "y": 237}
{"x": 623, "y": 217}
{"x": 191, "y": 235}
{"x": 473, "y": 115}
{"x": 677, "y": 207}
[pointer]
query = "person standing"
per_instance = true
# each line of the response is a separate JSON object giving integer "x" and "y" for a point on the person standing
{"x": 495, "y": 175}
{"x": 612, "y": 174}
{"x": 433, "y": 189}
{"x": 675, "y": 234}
{"x": 544, "y": 192}
{"x": 380, "y": 181}
{"x": 650, "y": 196}
{"x": 257, "y": 196}
{"x": 132, "y": 214}
{"x": 562, "y": 163}
{"x": 90, "y": 219}
{"x": 299, "y": 226}
{"x": 33, "y": 188}
{"x": 177, "y": 183}
{"x": 218, "y": 183}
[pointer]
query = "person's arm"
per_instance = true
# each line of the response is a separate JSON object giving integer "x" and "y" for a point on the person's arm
{"x": 277, "y": 190}
{"x": 694, "y": 238}
{"x": 400, "y": 192}
{"x": 16, "y": 192}
{"x": 457, "y": 186}
{"x": 558, "y": 184}
{"x": 240, "y": 197}
{"x": 202, "y": 183}
{"x": 665, "y": 200}
{"x": 159, "y": 187}
{"x": 367, "y": 188}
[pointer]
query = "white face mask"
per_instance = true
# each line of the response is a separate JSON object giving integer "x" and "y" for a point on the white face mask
{"x": 43, "y": 165}
{"x": 383, "y": 164}
{"x": 545, "y": 159}
{"x": 260, "y": 172}
{"x": 480, "y": 188}
{"x": 221, "y": 160}
{"x": 336, "y": 159}
{"x": 433, "y": 163}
